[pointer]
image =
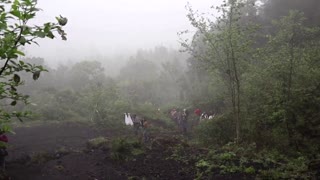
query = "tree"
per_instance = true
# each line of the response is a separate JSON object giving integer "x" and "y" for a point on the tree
{"x": 275, "y": 9}
{"x": 225, "y": 50}
{"x": 290, "y": 67}
{"x": 16, "y": 32}
{"x": 86, "y": 73}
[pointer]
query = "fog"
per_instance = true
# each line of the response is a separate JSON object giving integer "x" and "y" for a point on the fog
{"x": 120, "y": 100}
{"x": 107, "y": 28}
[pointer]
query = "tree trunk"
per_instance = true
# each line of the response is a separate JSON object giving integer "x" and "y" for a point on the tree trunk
{"x": 236, "y": 80}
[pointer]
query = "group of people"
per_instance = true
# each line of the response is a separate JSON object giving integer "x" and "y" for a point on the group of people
{"x": 180, "y": 118}
{"x": 140, "y": 125}
{"x": 204, "y": 115}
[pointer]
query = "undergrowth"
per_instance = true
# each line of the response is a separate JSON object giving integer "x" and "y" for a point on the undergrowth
{"x": 233, "y": 159}
{"x": 125, "y": 149}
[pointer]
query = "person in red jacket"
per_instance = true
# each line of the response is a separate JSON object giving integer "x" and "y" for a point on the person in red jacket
{"x": 3, "y": 149}
{"x": 198, "y": 112}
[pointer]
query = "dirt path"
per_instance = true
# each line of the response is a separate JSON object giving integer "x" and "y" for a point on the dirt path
{"x": 44, "y": 141}
{"x": 59, "y": 152}
{"x": 49, "y": 138}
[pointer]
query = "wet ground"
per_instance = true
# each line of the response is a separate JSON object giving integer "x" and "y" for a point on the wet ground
{"x": 59, "y": 151}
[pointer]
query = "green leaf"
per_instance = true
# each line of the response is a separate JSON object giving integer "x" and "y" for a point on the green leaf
{"x": 40, "y": 34}
{"x": 28, "y": 2}
{"x": 50, "y": 35}
{"x": 36, "y": 75}
{"x": 16, "y": 78}
{"x": 19, "y": 52}
{"x": 23, "y": 40}
{"x": 16, "y": 13}
{"x": 62, "y": 20}
{"x": 29, "y": 16}
{"x": 47, "y": 27}
{"x": 3, "y": 16}
{"x": 26, "y": 30}
{"x": 13, "y": 103}
{"x": 6, "y": 128}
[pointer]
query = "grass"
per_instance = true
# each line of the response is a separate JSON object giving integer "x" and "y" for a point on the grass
{"x": 99, "y": 142}
{"x": 125, "y": 149}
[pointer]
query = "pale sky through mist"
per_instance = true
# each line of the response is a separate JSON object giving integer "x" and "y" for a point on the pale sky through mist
{"x": 103, "y": 28}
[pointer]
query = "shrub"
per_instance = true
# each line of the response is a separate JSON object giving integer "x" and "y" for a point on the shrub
{"x": 217, "y": 131}
{"x": 99, "y": 142}
{"x": 124, "y": 149}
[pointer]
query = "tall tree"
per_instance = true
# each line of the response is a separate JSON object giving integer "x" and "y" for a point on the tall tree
{"x": 275, "y": 9}
{"x": 291, "y": 55}
{"x": 226, "y": 50}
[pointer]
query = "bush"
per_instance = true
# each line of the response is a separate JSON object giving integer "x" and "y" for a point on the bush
{"x": 99, "y": 142}
{"x": 124, "y": 149}
{"x": 217, "y": 131}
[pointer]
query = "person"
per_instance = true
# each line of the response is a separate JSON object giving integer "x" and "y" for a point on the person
{"x": 3, "y": 149}
{"x": 136, "y": 123}
{"x": 197, "y": 112}
{"x": 204, "y": 116}
{"x": 183, "y": 121}
{"x": 174, "y": 114}
{"x": 211, "y": 115}
{"x": 145, "y": 133}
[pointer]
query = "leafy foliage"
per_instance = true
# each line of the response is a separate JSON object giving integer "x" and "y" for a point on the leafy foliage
{"x": 99, "y": 142}
{"x": 264, "y": 79}
{"x": 125, "y": 149}
{"x": 217, "y": 132}
{"x": 232, "y": 159}
{"x": 15, "y": 32}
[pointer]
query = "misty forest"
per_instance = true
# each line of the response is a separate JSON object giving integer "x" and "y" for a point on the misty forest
{"x": 238, "y": 99}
